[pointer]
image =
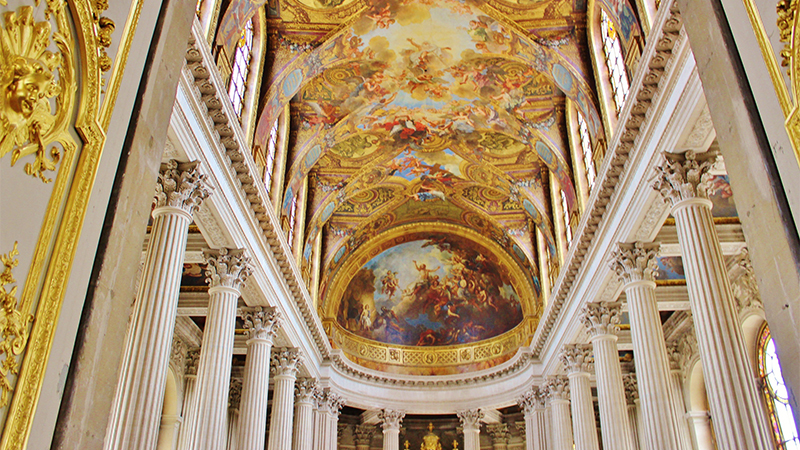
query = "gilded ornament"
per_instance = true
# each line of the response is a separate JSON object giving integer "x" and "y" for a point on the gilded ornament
{"x": 786, "y": 10}
{"x": 13, "y": 325}
{"x": 27, "y": 122}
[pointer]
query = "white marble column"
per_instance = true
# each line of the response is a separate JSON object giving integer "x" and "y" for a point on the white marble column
{"x": 732, "y": 394}
{"x": 234, "y": 401}
{"x": 532, "y": 404}
{"x": 577, "y": 358}
{"x": 363, "y": 434}
{"x": 557, "y": 388}
{"x": 499, "y": 434}
{"x": 635, "y": 264}
{"x": 680, "y": 351}
{"x": 335, "y": 403}
{"x": 471, "y": 424}
{"x": 139, "y": 398}
{"x": 304, "y": 391}
{"x": 601, "y": 320}
{"x": 632, "y": 399}
{"x": 260, "y": 326}
{"x": 225, "y": 273}
{"x": 320, "y": 416}
{"x": 390, "y": 422}
{"x": 189, "y": 408}
{"x": 285, "y": 364}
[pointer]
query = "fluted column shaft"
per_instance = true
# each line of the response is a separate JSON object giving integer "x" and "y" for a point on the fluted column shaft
{"x": 139, "y": 398}
{"x": 532, "y": 404}
{"x": 284, "y": 367}
{"x": 390, "y": 422}
{"x": 635, "y": 264}
{"x": 601, "y": 320}
{"x": 320, "y": 418}
{"x": 732, "y": 395}
{"x": 561, "y": 425}
{"x": 632, "y": 397}
{"x": 577, "y": 359}
{"x": 676, "y": 380}
{"x": 471, "y": 424}
{"x": 303, "y": 438}
{"x": 233, "y": 430}
{"x": 261, "y": 325}
{"x": 189, "y": 410}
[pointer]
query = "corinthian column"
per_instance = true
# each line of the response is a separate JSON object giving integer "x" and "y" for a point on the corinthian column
{"x": 226, "y": 272}
{"x": 532, "y": 404}
{"x": 364, "y": 434}
{"x": 577, "y": 359}
{"x": 139, "y": 397}
{"x": 260, "y": 326}
{"x": 499, "y": 434}
{"x": 732, "y": 395}
{"x": 557, "y": 389}
{"x": 304, "y": 391}
{"x": 680, "y": 351}
{"x": 234, "y": 401}
{"x": 471, "y": 423}
{"x": 632, "y": 398}
{"x": 335, "y": 403}
{"x": 601, "y": 320}
{"x": 635, "y": 265}
{"x": 189, "y": 407}
{"x": 390, "y": 421}
{"x": 284, "y": 369}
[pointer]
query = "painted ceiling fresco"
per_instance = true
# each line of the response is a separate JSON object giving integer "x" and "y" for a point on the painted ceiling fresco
{"x": 434, "y": 114}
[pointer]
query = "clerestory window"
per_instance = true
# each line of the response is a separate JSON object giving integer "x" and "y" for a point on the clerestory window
{"x": 777, "y": 398}
{"x": 241, "y": 68}
{"x": 617, "y": 73}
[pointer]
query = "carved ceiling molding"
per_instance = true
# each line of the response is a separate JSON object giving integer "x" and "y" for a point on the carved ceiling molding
{"x": 658, "y": 56}
{"x": 210, "y": 91}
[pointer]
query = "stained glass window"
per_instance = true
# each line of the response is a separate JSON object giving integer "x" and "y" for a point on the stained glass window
{"x": 292, "y": 216}
{"x": 586, "y": 147}
{"x": 617, "y": 73}
{"x": 272, "y": 148}
{"x": 241, "y": 67}
{"x": 774, "y": 389}
{"x": 565, "y": 212}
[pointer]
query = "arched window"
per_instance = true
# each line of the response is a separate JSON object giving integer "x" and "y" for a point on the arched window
{"x": 272, "y": 149}
{"x": 241, "y": 68}
{"x": 292, "y": 217}
{"x": 565, "y": 212}
{"x": 775, "y": 394}
{"x": 617, "y": 73}
{"x": 586, "y": 148}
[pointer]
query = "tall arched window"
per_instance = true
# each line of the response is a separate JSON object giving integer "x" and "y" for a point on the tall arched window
{"x": 586, "y": 148}
{"x": 241, "y": 68}
{"x": 292, "y": 217}
{"x": 775, "y": 394}
{"x": 565, "y": 212}
{"x": 612, "y": 49}
{"x": 272, "y": 149}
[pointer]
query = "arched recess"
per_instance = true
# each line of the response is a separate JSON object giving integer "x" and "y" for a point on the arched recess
{"x": 346, "y": 46}
{"x": 170, "y": 415}
{"x": 698, "y": 414}
{"x": 624, "y": 19}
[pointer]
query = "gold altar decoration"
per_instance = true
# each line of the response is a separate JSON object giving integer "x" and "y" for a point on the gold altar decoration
{"x": 430, "y": 441}
{"x": 53, "y": 54}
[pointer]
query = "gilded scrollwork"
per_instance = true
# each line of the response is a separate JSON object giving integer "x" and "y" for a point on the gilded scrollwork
{"x": 30, "y": 76}
{"x": 13, "y": 325}
{"x": 786, "y": 10}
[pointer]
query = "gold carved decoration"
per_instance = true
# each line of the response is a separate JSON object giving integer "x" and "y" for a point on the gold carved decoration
{"x": 28, "y": 80}
{"x": 13, "y": 326}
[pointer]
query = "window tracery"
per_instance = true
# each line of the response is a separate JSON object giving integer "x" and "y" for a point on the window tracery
{"x": 272, "y": 149}
{"x": 586, "y": 148}
{"x": 612, "y": 49}
{"x": 241, "y": 68}
{"x": 775, "y": 394}
{"x": 292, "y": 220}
{"x": 565, "y": 213}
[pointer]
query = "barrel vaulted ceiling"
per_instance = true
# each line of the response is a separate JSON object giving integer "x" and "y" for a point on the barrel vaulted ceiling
{"x": 426, "y": 133}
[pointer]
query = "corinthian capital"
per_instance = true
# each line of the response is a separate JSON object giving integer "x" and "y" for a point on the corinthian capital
{"x": 577, "y": 358}
{"x": 334, "y": 402}
{"x": 227, "y": 268}
{"x": 601, "y": 318}
{"x": 285, "y": 361}
{"x": 631, "y": 388}
{"x": 635, "y": 262}
{"x": 261, "y": 322}
{"x": 390, "y": 419}
{"x": 531, "y": 400}
{"x": 181, "y": 185}
{"x": 364, "y": 434}
{"x": 499, "y": 432}
{"x": 305, "y": 389}
{"x": 684, "y": 176}
{"x": 557, "y": 388}
{"x": 235, "y": 394}
{"x": 470, "y": 419}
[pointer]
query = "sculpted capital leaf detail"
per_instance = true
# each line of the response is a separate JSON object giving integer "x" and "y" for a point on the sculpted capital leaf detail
{"x": 557, "y": 388}
{"x": 28, "y": 79}
{"x": 635, "y": 262}
{"x": 471, "y": 418}
{"x": 13, "y": 326}
{"x": 227, "y": 268}
{"x": 181, "y": 185}
{"x": 390, "y": 419}
{"x": 285, "y": 361}
{"x": 601, "y": 318}
{"x": 631, "y": 388}
{"x": 261, "y": 323}
{"x": 577, "y": 358}
{"x": 684, "y": 176}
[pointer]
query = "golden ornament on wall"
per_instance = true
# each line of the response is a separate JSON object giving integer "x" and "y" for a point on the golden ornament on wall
{"x": 28, "y": 80}
{"x": 13, "y": 326}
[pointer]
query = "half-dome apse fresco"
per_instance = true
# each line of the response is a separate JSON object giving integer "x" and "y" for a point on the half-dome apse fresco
{"x": 443, "y": 290}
